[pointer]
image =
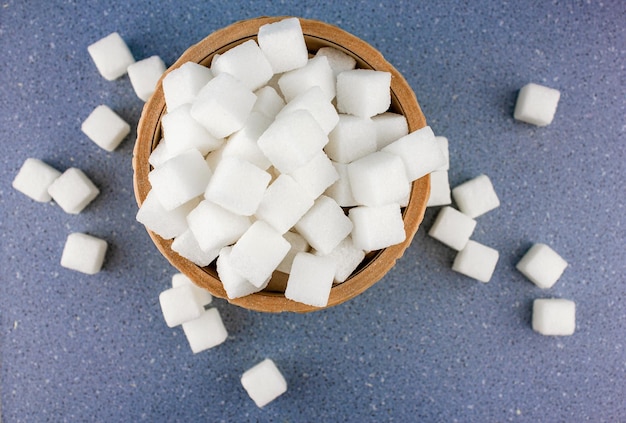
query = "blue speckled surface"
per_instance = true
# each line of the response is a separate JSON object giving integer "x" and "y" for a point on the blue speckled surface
{"x": 425, "y": 344}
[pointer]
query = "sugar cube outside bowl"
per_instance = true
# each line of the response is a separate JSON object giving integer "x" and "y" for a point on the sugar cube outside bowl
{"x": 317, "y": 34}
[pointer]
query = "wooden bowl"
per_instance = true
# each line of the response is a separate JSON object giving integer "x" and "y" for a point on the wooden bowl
{"x": 317, "y": 34}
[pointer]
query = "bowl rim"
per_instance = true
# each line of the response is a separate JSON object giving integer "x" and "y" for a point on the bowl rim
{"x": 317, "y": 34}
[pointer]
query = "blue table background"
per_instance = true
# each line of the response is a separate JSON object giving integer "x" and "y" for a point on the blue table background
{"x": 425, "y": 343}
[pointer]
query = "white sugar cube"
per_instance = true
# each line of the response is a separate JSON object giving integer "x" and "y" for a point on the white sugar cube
{"x": 206, "y": 331}
{"x": 283, "y": 44}
{"x": 222, "y": 106}
{"x": 315, "y": 102}
{"x": 34, "y": 178}
{"x": 144, "y": 76}
{"x": 111, "y": 56}
{"x": 182, "y": 132}
{"x": 324, "y": 225}
{"x": 347, "y": 258}
{"x": 536, "y": 104}
{"x": 243, "y": 143}
{"x": 542, "y": 265}
{"x": 440, "y": 194}
{"x": 165, "y": 223}
{"x": 237, "y": 185}
{"x": 389, "y": 128}
{"x": 419, "y": 151}
{"x": 554, "y": 316}
{"x": 443, "y": 145}
{"x": 73, "y": 190}
{"x": 452, "y": 228}
{"x": 298, "y": 245}
{"x": 204, "y": 296}
{"x": 181, "y": 85}
{"x": 187, "y": 247}
{"x": 264, "y": 382}
{"x": 180, "y": 305}
{"x": 316, "y": 73}
{"x": 352, "y": 138}
{"x": 378, "y": 178}
{"x": 214, "y": 227}
{"x": 292, "y": 141}
{"x": 235, "y": 285}
{"x": 317, "y": 175}
{"x": 311, "y": 279}
{"x": 476, "y": 196}
{"x": 247, "y": 63}
{"x": 337, "y": 59}
{"x": 268, "y": 101}
{"x": 258, "y": 253}
{"x": 160, "y": 154}
{"x": 363, "y": 92}
{"x": 84, "y": 253}
{"x": 105, "y": 128}
{"x": 284, "y": 203}
{"x": 476, "y": 261}
{"x": 378, "y": 227}
{"x": 340, "y": 191}
{"x": 180, "y": 179}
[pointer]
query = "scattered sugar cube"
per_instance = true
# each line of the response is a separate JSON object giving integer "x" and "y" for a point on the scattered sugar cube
{"x": 378, "y": 227}
{"x": 554, "y": 316}
{"x": 187, "y": 247}
{"x": 292, "y": 141}
{"x": 34, "y": 178}
{"x": 439, "y": 189}
{"x": 206, "y": 331}
{"x": 83, "y": 253}
{"x": 235, "y": 285}
{"x": 363, "y": 92}
{"x": 476, "y": 196}
{"x": 284, "y": 203}
{"x": 542, "y": 265}
{"x": 214, "y": 227}
{"x": 268, "y": 102}
{"x": 243, "y": 143}
{"x": 452, "y": 228}
{"x": 264, "y": 382}
{"x": 111, "y": 56}
{"x": 389, "y": 128}
{"x": 378, "y": 178}
{"x": 182, "y": 132}
{"x": 316, "y": 73}
{"x": 536, "y": 104}
{"x": 283, "y": 44}
{"x": 311, "y": 279}
{"x": 204, "y": 296}
{"x": 73, "y": 190}
{"x": 258, "y": 253}
{"x": 180, "y": 179}
{"x": 247, "y": 63}
{"x": 418, "y": 144}
{"x": 324, "y": 225}
{"x": 476, "y": 261}
{"x": 222, "y": 106}
{"x": 144, "y": 76}
{"x": 315, "y": 102}
{"x": 181, "y": 85}
{"x": 180, "y": 305}
{"x": 352, "y": 138}
{"x": 165, "y": 223}
{"x": 298, "y": 245}
{"x": 237, "y": 185}
{"x": 317, "y": 175}
{"x": 443, "y": 145}
{"x": 104, "y": 127}
{"x": 337, "y": 59}
{"x": 347, "y": 258}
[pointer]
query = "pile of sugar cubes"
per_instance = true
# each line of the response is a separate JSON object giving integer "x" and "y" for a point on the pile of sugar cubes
{"x": 274, "y": 160}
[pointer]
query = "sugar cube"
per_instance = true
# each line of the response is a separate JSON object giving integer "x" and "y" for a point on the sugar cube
{"x": 284, "y": 203}
{"x": 83, "y": 253}
{"x": 337, "y": 59}
{"x": 111, "y": 56}
{"x": 439, "y": 189}
{"x": 476, "y": 196}
{"x": 214, "y": 227}
{"x": 165, "y": 223}
{"x": 352, "y": 138}
{"x": 268, "y": 102}
{"x": 206, "y": 331}
{"x": 243, "y": 143}
{"x": 105, "y": 128}
{"x": 283, "y": 44}
{"x": 418, "y": 144}
{"x": 180, "y": 305}
{"x": 542, "y": 265}
{"x": 144, "y": 76}
{"x": 182, "y": 132}
{"x": 73, "y": 190}
{"x": 315, "y": 102}
{"x": 298, "y": 245}
{"x": 204, "y": 296}
{"x": 554, "y": 316}
{"x": 324, "y": 225}
{"x": 34, "y": 178}
{"x": 247, "y": 63}
{"x": 181, "y": 85}
{"x": 187, "y": 247}
{"x": 476, "y": 261}
{"x": 377, "y": 227}
{"x": 235, "y": 285}
{"x": 264, "y": 382}
{"x": 363, "y": 92}
{"x": 536, "y": 104}
{"x": 317, "y": 175}
{"x": 160, "y": 154}
{"x": 378, "y": 178}
{"x": 316, "y": 73}
{"x": 389, "y": 128}
{"x": 311, "y": 279}
{"x": 443, "y": 145}
{"x": 452, "y": 228}
{"x": 347, "y": 258}
{"x": 340, "y": 191}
